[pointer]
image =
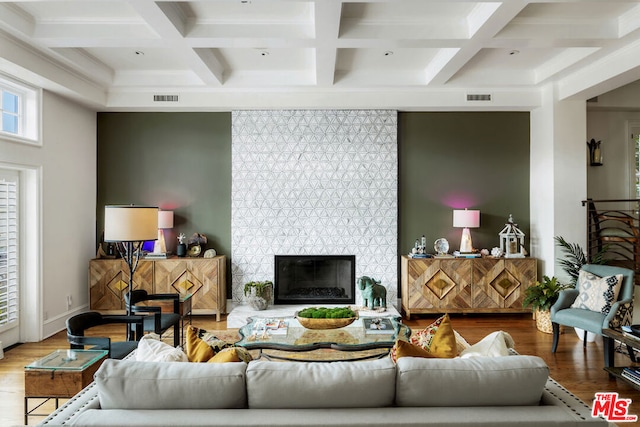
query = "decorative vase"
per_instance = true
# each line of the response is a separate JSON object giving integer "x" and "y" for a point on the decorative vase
{"x": 543, "y": 321}
{"x": 259, "y": 298}
{"x": 181, "y": 250}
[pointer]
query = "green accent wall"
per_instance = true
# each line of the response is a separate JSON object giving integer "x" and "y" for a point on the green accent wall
{"x": 177, "y": 161}
{"x": 475, "y": 160}
{"x": 182, "y": 161}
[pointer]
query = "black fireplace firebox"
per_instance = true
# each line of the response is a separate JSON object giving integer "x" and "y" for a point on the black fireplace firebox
{"x": 315, "y": 279}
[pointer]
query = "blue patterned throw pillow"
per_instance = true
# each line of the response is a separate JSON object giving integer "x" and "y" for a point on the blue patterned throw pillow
{"x": 597, "y": 293}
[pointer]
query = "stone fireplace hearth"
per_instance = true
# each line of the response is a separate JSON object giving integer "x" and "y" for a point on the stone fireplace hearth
{"x": 314, "y": 182}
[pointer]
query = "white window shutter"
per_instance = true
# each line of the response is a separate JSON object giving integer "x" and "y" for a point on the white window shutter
{"x": 8, "y": 253}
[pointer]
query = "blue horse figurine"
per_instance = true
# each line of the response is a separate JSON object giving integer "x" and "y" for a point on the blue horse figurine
{"x": 373, "y": 293}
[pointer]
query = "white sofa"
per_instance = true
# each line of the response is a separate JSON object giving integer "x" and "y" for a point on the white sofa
{"x": 487, "y": 391}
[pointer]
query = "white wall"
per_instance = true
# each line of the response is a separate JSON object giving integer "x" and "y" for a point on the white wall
{"x": 612, "y": 179}
{"x": 558, "y": 178}
{"x": 64, "y": 170}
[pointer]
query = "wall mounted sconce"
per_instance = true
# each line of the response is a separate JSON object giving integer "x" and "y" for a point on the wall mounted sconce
{"x": 595, "y": 152}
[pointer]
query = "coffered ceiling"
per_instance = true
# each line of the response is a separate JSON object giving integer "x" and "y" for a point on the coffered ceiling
{"x": 252, "y": 53}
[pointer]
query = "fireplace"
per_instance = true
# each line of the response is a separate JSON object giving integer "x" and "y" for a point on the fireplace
{"x": 315, "y": 279}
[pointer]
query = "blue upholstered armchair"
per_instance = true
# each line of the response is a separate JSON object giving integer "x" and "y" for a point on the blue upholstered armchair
{"x": 591, "y": 321}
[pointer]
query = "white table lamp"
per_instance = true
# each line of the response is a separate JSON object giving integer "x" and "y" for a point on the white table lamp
{"x": 165, "y": 221}
{"x": 466, "y": 219}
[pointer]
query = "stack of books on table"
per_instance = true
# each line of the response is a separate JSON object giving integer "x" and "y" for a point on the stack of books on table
{"x": 632, "y": 373}
{"x": 632, "y": 331}
{"x": 377, "y": 325}
{"x": 459, "y": 254}
{"x": 271, "y": 326}
{"x": 156, "y": 255}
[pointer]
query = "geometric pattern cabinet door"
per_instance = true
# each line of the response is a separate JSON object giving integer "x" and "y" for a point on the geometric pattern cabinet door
{"x": 109, "y": 282}
{"x": 436, "y": 285}
{"x": 461, "y": 285}
{"x": 499, "y": 284}
{"x": 203, "y": 278}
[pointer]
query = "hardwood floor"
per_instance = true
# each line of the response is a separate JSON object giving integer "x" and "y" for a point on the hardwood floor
{"x": 578, "y": 369}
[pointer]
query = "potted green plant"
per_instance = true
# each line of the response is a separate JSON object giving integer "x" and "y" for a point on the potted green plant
{"x": 259, "y": 294}
{"x": 541, "y": 297}
{"x": 574, "y": 258}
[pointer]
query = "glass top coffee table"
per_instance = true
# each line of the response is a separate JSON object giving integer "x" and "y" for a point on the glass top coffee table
{"x": 288, "y": 337}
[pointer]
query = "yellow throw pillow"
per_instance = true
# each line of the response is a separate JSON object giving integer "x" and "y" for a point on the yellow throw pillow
{"x": 406, "y": 349}
{"x": 444, "y": 340}
{"x": 438, "y": 338}
{"x": 197, "y": 350}
{"x": 231, "y": 354}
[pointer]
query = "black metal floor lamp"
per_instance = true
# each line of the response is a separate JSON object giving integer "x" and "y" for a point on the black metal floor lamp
{"x": 130, "y": 225}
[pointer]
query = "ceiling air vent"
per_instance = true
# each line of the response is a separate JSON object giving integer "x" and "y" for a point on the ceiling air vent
{"x": 478, "y": 97}
{"x": 165, "y": 98}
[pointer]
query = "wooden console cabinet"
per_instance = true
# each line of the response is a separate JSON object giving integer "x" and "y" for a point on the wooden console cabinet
{"x": 461, "y": 285}
{"x": 204, "y": 278}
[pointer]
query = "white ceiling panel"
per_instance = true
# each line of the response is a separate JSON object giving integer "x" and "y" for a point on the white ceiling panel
{"x": 326, "y": 45}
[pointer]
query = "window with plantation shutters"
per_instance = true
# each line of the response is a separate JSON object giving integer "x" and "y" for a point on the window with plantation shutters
{"x": 8, "y": 252}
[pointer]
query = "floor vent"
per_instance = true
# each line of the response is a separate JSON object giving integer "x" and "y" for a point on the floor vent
{"x": 165, "y": 98}
{"x": 478, "y": 97}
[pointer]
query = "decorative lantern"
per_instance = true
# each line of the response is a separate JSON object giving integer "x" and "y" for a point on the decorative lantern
{"x": 512, "y": 240}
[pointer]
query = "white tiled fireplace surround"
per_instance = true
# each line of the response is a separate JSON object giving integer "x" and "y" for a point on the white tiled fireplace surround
{"x": 314, "y": 182}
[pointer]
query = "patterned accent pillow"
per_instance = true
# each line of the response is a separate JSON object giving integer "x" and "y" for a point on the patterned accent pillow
{"x": 597, "y": 293}
{"x": 202, "y": 345}
{"x": 623, "y": 317}
{"x": 439, "y": 339}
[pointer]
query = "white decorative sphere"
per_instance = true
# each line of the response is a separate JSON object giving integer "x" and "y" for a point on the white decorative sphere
{"x": 496, "y": 252}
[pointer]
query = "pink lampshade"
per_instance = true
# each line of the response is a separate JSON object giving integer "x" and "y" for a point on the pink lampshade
{"x": 466, "y": 218}
{"x": 165, "y": 219}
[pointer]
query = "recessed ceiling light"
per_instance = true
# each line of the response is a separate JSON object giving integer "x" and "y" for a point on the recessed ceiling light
{"x": 388, "y": 53}
{"x": 139, "y": 52}
{"x": 514, "y": 52}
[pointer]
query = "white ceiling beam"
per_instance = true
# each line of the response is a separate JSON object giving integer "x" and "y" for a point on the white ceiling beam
{"x": 14, "y": 20}
{"x": 47, "y": 32}
{"x": 30, "y": 65}
{"x": 327, "y": 27}
{"x": 161, "y": 18}
{"x": 99, "y": 72}
{"x": 495, "y": 21}
{"x": 250, "y": 30}
{"x": 526, "y": 28}
{"x": 413, "y": 99}
{"x": 609, "y": 72}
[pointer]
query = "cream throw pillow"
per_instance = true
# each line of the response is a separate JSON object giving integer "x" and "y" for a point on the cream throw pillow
{"x": 151, "y": 349}
{"x": 597, "y": 293}
{"x": 495, "y": 344}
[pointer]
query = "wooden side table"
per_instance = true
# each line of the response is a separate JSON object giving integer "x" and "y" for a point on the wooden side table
{"x": 61, "y": 374}
{"x": 632, "y": 342}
